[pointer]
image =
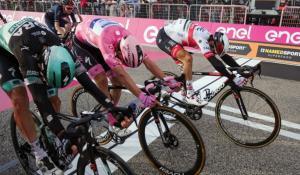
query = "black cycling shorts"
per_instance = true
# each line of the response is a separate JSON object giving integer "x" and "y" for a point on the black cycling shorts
{"x": 89, "y": 56}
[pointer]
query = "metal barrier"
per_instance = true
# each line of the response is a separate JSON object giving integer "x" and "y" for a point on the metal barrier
{"x": 219, "y": 13}
{"x": 169, "y": 11}
{"x": 290, "y": 17}
{"x": 236, "y": 14}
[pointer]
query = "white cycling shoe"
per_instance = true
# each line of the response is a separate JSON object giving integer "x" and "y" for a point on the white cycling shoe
{"x": 192, "y": 100}
{"x": 119, "y": 132}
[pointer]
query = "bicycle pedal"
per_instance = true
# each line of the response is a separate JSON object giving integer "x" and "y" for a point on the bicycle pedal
{"x": 117, "y": 139}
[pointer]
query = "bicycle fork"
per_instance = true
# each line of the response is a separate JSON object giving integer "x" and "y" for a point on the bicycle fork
{"x": 240, "y": 103}
{"x": 158, "y": 124}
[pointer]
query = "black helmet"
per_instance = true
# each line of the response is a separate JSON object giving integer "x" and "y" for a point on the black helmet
{"x": 67, "y": 2}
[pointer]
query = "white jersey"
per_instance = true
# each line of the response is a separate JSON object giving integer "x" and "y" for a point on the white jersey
{"x": 186, "y": 33}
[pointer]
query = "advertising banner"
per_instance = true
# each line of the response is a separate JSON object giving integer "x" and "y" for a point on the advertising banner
{"x": 273, "y": 44}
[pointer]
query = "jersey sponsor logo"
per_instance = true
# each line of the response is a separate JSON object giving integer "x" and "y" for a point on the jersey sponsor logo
{"x": 26, "y": 24}
{"x": 12, "y": 71}
{"x": 97, "y": 25}
{"x": 32, "y": 73}
{"x": 87, "y": 60}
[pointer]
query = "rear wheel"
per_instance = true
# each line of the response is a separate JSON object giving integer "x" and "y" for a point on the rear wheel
{"x": 173, "y": 146}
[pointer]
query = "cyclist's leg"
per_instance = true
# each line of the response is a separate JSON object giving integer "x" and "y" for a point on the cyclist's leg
{"x": 54, "y": 99}
{"x": 102, "y": 82}
{"x": 12, "y": 83}
{"x": 176, "y": 51}
{"x": 115, "y": 93}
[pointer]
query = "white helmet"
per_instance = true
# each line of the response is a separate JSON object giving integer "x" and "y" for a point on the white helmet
{"x": 132, "y": 52}
{"x": 221, "y": 43}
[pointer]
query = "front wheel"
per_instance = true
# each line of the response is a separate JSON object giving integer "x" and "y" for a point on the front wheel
{"x": 171, "y": 142}
{"x": 106, "y": 162}
{"x": 261, "y": 124}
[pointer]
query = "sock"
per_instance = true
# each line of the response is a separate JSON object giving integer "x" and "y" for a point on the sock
{"x": 189, "y": 87}
{"x": 38, "y": 152}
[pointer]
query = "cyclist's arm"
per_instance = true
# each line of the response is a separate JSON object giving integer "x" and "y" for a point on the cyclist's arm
{"x": 229, "y": 61}
{"x": 89, "y": 85}
{"x": 60, "y": 30}
{"x": 153, "y": 68}
{"x": 38, "y": 89}
{"x": 57, "y": 15}
{"x": 210, "y": 56}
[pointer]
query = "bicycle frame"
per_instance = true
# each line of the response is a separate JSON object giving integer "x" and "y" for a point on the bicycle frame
{"x": 209, "y": 95}
{"x": 90, "y": 141}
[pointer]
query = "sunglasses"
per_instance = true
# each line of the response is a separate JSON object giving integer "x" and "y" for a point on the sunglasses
{"x": 69, "y": 8}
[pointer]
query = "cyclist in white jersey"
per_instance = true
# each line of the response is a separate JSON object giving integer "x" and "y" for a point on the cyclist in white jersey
{"x": 182, "y": 32}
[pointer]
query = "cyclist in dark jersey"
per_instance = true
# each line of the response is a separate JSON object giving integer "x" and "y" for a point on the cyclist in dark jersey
{"x": 57, "y": 18}
{"x": 31, "y": 53}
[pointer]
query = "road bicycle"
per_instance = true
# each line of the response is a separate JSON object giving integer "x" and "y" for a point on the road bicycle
{"x": 92, "y": 157}
{"x": 246, "y": 115}
{"x": 172, "y": 146}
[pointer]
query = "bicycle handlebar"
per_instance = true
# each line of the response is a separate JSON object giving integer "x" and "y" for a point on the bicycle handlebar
{"x": 89, "y": 116}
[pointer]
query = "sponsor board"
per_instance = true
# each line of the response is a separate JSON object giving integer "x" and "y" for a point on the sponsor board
{"x": 279, "y": 53}
{"x": 268, "y": 52}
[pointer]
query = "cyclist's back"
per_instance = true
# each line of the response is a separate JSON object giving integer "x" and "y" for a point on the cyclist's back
{"x": 187, "y": 33}
{"x": 104, "y": 35}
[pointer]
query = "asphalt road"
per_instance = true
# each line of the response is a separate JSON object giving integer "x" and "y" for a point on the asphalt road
{"x": 222, "y": 156}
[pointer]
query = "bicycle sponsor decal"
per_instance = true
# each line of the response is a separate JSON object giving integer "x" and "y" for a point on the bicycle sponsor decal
{"x": 279, "y": 53}
{"x": 239, "y": 48}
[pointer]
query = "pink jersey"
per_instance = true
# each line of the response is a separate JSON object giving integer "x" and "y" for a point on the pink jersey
{"x": 104, "y": 35}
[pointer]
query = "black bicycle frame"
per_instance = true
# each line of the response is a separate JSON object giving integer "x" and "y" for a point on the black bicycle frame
{"x": 211, "y": 95}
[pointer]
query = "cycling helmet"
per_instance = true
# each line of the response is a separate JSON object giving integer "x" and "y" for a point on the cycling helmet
{"x": 60, "y": 67}
{"x": 131, "y": 51}
{"x": 221, "y": 43}
{"x": 67, "y": 2}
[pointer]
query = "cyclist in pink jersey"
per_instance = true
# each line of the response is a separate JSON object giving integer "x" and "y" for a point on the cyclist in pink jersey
{"x": 104, "y": 47}
{"x": 182, "y": 32}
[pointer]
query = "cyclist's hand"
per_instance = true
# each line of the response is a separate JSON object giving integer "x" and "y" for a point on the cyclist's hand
{"x": 147, "y": 100}
{"x": 174, "y": 85}
{"x": 239, "y": 80}
{"x": 119, "y": 120}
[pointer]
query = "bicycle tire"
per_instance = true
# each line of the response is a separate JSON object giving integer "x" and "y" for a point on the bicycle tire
{"x": 260, "y": 118}
{"x": 77, "y": 93}
{"x": 185, "y": 166}
{"x": 23, "y": 150}
{"x": 101, "y": 133}
{"x": 107, "y": 155}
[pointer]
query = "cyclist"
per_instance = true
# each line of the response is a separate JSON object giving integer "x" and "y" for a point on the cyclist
{"x": 57, "y": 18}
{"x": 182, "y": 32}
{"x": 104, "y": 46}
{"x": 31, "y": 53}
